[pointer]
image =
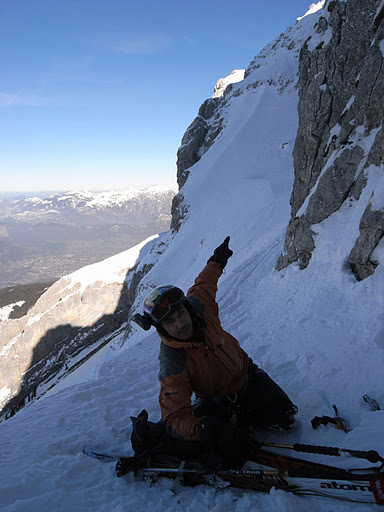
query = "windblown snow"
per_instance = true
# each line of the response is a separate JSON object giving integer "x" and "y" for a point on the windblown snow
{"x": 318, "y": 332}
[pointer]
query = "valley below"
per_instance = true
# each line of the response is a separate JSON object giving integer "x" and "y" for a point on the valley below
{"x": 45, "y": 238}
{"x": 43, "y": 252}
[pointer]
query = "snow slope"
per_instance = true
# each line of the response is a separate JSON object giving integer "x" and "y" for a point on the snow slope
{"x": 317, "y": 332}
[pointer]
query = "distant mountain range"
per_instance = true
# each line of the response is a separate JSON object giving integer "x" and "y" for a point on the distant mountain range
{"x": 78, "y": 208}
{"x": 44, "y": 238}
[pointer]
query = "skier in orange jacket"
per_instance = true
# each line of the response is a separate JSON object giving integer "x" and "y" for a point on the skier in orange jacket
{"x": 198, "y": 356}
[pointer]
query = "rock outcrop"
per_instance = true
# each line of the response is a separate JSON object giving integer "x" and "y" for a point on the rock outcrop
{"x": 340, "y": 135}
{"x": 199, "y": 137}
{"x": 204, "y": 129}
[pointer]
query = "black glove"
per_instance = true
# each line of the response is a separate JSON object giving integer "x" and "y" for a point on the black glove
{"x": 140, "y": 435}
{"x": 222, "y": 253}
{"x": 227, "y": 439}
{"x": 146, "y": 435}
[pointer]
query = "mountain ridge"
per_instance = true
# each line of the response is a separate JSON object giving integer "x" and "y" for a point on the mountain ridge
{"x": 69, "y": 207}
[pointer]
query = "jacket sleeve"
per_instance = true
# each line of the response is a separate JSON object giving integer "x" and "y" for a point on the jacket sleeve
{"x": 176, "y": 408}
{"x": 175, "y": 395}
{"x": 205, "y": 287}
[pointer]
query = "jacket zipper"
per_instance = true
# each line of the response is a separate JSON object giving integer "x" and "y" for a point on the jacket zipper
{"x": 229, "y": 368}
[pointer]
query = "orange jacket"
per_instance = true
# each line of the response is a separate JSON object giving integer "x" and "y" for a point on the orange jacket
{"x": 210, "y": 364}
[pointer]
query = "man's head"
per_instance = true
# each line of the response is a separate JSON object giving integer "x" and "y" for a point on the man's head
{"x": 164, "y": 307}
{"x": 179, "y": 324}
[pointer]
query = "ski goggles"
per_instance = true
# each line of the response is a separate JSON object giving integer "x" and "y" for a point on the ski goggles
{"x": 161, "y": 301}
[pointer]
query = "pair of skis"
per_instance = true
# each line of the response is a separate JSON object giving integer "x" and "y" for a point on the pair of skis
{"x": 298, "y": 476}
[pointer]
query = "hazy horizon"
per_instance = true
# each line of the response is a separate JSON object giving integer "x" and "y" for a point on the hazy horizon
{"x": 38, "y": 193}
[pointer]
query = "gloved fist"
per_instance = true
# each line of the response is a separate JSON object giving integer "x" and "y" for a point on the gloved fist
{"x": 146, "y": 435}
{"x": 222, "y": 253}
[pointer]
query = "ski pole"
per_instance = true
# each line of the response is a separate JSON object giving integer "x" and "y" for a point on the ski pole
{"x": 371, "y": 455}
{"x": 217, "y": 472}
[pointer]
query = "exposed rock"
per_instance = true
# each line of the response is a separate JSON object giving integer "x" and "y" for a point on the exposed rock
{"x": 188, "y": 153}
{"x": 371, "y": 232}
{"x": 71, "y": 321}
{"x": 67, "y": 319}
{"x": 135, "y": 278}
{"x": 194, "y": 140}
{"x": 199, "y": 137}
{"x": 341, "y": 113}
{"x": 179, "y": 211}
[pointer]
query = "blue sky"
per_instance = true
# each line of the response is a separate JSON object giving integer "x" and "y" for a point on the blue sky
{"x": 97, "y": 94}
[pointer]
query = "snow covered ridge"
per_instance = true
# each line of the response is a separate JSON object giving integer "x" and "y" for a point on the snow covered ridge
{"x": 344, "y": 140}
{"x": 118, "y": 197}
{"x": 74, "y": 316}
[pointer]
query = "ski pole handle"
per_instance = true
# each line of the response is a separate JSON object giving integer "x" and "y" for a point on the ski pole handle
{"x": 371, "y": 455}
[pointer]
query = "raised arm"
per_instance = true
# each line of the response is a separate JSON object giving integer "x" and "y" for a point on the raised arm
{"x": 205, "y": 287}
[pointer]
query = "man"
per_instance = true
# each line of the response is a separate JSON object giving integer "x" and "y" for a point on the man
{"x": 198, "y": 356}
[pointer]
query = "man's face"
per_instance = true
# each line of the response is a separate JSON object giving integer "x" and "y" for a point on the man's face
{"x": 179, "y": 324}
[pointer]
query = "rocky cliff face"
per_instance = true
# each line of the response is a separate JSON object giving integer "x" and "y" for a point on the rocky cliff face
{"x": 340, "y": 139}
{"x": 199, "y": 137}
{"x": 204, "y": 129}
{"x": 75, "y": 317}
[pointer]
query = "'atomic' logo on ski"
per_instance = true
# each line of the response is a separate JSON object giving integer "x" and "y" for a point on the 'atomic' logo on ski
{"x": 345, "y": 486}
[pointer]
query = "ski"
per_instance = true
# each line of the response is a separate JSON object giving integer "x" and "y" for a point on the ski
{"x": 368, "y": 488}
{"x": 301, "y": 477}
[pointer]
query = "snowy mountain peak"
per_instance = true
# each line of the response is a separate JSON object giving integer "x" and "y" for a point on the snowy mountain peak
{"x": 313, "y": 8}
{"x": 221, "y": 85}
